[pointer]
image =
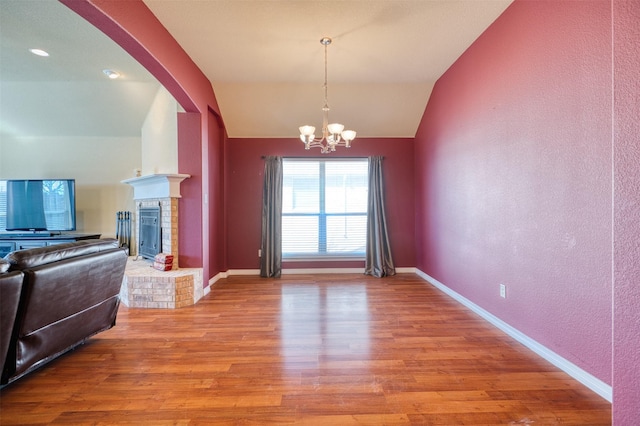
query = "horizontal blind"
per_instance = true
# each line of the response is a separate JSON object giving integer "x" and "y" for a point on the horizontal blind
{"x": 3, "y": 205}
{"x": 324, "y": 211}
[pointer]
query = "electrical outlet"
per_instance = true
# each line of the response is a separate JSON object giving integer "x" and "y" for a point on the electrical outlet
{"x": 503, "y": 291}
{"x": 259, "y": 252}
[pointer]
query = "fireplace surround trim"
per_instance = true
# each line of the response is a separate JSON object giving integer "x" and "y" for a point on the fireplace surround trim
{"x": 160, "y": 185}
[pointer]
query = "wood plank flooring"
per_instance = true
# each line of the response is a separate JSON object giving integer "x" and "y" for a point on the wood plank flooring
{"x": 305, "y": 349}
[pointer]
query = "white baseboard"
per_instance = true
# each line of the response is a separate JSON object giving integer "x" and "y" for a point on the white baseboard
{"x": 590, "y": 381}
{"x": 243, "y": 272}
{"x": 213, "y": 280}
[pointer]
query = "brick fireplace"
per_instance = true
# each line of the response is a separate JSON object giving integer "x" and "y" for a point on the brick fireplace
{"x": 143, "y": 286}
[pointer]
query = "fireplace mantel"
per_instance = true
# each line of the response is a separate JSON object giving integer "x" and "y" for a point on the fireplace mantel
{"x": 156, "y": 186}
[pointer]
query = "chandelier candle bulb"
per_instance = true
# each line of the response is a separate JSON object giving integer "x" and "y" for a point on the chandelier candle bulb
{"x": 335, "y": 128}
{"x": 348, "y": 136}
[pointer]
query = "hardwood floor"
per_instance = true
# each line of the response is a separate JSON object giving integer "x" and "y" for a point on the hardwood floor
{"x": 312, "y": 349}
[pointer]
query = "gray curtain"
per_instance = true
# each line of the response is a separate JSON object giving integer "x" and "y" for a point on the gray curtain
{"x": 378, "y": 262}
{"x": 271, "y": 247}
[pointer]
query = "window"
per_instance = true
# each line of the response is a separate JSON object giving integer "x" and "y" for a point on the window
{"x": 3, "y": 205}
{"x": 324, "y": 207}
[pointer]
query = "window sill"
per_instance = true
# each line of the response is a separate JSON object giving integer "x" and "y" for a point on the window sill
{"x": 323, "y": 258}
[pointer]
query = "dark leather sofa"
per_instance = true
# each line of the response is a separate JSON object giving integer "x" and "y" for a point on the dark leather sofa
{"x": 54, "y": 298}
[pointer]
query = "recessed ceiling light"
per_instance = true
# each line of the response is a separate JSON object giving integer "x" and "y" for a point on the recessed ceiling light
{"x": 39, "y": 52}
{"x": 111, "y": 74}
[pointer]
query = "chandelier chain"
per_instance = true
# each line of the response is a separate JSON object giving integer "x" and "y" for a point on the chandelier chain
{"x": 326, "y": 85}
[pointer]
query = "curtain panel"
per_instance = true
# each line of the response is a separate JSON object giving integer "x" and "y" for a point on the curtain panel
{"x": 378, "y": 259}
{"x": 271, "y": 246}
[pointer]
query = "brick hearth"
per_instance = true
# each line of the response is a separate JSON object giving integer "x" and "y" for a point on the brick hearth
{"x": 145, "y": 287}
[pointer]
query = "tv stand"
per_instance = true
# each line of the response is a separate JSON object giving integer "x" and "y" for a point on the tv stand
{"x": 22, "y": 241}
{"x": 33, "y": 234}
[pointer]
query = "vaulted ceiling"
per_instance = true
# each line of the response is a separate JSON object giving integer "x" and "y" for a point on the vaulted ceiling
{"x": 264, "y": 59}
{"x": 65, "y": 94}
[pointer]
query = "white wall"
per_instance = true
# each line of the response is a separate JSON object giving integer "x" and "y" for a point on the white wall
{"x": 160, "y": 135}
{"x": 97, "y": 164}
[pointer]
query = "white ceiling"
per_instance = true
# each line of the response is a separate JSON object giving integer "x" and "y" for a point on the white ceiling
{"x": 263, "y": 57}
{"x": 65, "y": 94}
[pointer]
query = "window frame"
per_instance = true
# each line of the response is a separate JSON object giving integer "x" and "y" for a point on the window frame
{"x": 322, "y": 216}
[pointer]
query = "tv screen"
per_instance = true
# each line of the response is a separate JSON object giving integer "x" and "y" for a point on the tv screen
{"x": 40, "y": 205}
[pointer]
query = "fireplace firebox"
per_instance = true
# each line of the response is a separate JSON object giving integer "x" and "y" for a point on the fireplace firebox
{"x": 150, "y": 239}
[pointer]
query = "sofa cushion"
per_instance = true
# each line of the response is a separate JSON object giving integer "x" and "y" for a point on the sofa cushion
{"x": 4, "y": 266}
{"x": 31, "y": 258}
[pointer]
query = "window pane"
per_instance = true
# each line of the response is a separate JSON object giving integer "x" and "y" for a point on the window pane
{"x": 346, "y": 234}
{"x": 299, "y": 234}
{"x": 324, "y": 207}
{"x": 300, "y": 187}
{"x": 346, "y": 186}
{"x": 3, "y": 205}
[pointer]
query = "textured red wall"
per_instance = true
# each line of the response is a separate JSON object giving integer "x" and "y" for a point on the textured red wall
{"x": 189, "y": 252}
{"x": 244, "y": 173}
{"x": 513, "y": 183}
{"x": 626, "y": 326}
{"x": 215, "y": 204}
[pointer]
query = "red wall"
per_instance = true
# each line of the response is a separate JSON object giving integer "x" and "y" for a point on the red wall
{"x": 244, "y": 172}
{"x": 215, "y": 201}
{"x": 626, "y": 326}
{"x": 189, "y": 131}
{"x": 513, "y": 177}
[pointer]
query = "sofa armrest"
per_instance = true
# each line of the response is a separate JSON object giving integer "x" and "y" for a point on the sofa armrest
{"x": 10, "y": 291}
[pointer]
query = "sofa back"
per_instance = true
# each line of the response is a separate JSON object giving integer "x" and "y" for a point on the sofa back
{"x": 70, "y": 292}
{"x": 23, "y": 259}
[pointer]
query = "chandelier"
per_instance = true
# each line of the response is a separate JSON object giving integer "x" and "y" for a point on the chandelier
{"x": 332, "y": 134}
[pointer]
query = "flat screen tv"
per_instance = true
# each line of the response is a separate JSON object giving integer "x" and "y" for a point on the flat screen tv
{"x": 40, "y": 205}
